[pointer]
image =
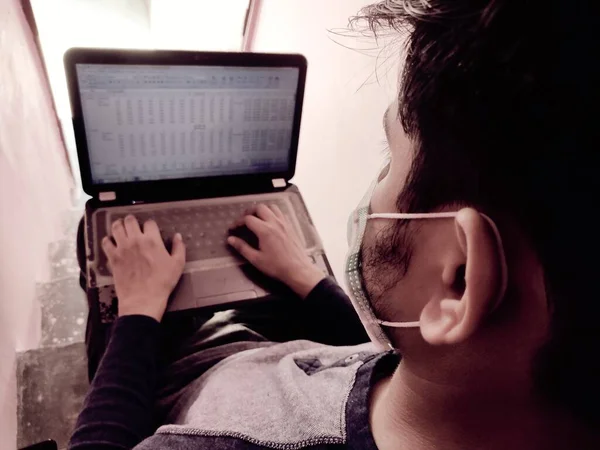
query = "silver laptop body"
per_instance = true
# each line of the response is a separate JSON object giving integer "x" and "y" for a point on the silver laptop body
{"x": 191, "y": 140}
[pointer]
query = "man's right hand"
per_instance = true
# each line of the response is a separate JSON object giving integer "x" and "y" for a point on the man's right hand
{"x": 144, "y": 271}
{"x": 280, "y": 254}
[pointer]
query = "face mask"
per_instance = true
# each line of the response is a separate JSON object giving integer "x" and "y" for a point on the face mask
{"x": 357, "y": 224}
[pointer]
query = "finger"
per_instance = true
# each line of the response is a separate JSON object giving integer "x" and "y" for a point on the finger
{"x": 256, "y": 225}
{"x": 151, "y": 230}
{"x": 241, "y": 220}
{"x": 132, "y": 227}
{"x": 243, "y": 248}
{"x": 286, "y": 223}
{"x": 118, "y": 232}
{"x": 296, "y": 234}
{"x": 178, "y": 250}
{"x": 278, "y": 213}
{"x": 108, "y": 247}
{"x": 265, "y": 213}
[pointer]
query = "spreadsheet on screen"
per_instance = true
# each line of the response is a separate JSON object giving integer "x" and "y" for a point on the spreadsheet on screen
{"x": 164, "y": 122}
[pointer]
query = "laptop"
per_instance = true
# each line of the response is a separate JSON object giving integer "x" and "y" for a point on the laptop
{"x": 191, "y": 140}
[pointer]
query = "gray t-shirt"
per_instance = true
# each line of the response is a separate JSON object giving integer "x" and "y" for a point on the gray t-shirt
{"x": 293, "y": 395}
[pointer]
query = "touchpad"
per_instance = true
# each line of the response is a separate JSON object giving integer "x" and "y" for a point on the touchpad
{"x": 216, "y": 282}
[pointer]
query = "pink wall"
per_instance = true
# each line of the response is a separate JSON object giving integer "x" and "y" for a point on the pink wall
{"x": 34, "y": 189}
{"x": 347, "y": 92}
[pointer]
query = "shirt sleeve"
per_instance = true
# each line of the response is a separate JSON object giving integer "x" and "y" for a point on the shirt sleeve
{"x": 118, "y": 410}
{"x": 331, "y": 316}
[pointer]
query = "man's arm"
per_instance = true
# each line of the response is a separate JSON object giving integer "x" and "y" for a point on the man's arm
{"x": 330, "y": 316}
{"x": 326, "y": 310}
{"x": 118, "y": 411}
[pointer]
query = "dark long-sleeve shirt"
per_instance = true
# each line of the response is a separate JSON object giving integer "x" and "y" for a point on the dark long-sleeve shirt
{"x": 234, "y": 389}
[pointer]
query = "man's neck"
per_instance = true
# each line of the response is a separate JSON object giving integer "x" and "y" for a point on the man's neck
{"x": 409, "y": 412}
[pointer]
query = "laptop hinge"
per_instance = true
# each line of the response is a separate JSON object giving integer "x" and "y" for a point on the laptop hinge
{"x": 279, "y": 182}
{"x": 107, "y": 196}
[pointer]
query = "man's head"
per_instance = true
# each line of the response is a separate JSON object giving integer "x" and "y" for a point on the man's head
{"x": 494, "y": 117}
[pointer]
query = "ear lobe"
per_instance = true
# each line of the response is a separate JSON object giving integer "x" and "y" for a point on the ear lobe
{"x": 453, "y": 320}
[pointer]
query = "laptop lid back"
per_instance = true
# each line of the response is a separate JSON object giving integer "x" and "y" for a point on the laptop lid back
{"x": 152, "y": 124}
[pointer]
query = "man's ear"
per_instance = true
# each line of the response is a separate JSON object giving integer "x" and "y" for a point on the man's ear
{"x": 478, "y": 259}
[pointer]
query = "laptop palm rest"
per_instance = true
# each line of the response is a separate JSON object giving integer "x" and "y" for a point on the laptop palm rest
{"x": 213, "y": 287}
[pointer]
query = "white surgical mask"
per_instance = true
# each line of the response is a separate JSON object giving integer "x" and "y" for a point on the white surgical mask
{"x": 357, "y": 223}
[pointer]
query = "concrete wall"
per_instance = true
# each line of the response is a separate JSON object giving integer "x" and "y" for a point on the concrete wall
{"x": 341, "y": 140}
{"x": 34, "y": 189}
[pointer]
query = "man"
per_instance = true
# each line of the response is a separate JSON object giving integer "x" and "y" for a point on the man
{"x": 471, "y": 257}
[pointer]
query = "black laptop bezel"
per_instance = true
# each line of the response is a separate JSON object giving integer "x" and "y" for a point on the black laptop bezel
{"x": 175, "y": 188}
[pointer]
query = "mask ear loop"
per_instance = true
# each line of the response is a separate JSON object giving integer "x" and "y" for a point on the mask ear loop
{"x": 416, "y": 324}
{"x": 438, "y": 215}
{"x": 447, "y": 215}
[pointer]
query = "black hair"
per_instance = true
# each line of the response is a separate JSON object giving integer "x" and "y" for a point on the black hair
{"x": 499, "y": 98}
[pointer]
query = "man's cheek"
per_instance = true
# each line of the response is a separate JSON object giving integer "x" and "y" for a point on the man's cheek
{"x": 380, "y": 200}
{"x": 375, "y": 266}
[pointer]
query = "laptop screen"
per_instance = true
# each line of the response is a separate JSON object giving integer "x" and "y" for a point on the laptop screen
{"x": 146, "y": 122}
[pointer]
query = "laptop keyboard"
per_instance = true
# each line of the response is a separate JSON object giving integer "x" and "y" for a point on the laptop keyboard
{"x": 204, "y": 228}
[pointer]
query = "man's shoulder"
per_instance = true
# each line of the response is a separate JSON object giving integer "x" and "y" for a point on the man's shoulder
{"x": 291, "y": 395}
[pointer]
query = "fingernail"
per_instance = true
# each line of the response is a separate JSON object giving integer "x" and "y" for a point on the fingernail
{"x": 178, "y": 236}
{"x": 230, "y": 240}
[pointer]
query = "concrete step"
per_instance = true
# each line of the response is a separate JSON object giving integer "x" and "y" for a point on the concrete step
{"x": 52, "y": 379}
{"x": 62, "y": 253}
{"x": 51, "y": 386}
{"x": 64, "y": 312}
